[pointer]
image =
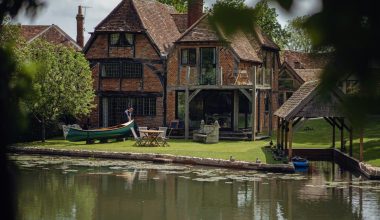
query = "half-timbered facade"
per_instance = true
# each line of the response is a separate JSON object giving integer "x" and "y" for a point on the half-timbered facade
{"x": 171, "y": 66}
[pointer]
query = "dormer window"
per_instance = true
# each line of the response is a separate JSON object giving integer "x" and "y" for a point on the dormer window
{"x": 121, "y": 40}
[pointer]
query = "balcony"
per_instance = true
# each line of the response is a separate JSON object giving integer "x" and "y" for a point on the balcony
{"x": 216, "y": 78}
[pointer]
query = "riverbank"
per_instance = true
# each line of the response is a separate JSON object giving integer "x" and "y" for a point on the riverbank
{"x": 159, "y": 158}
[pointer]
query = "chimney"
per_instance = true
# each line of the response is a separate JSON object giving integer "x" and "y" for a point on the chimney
{"x": 194, "y": 11}
{"x": 80, "y": 23}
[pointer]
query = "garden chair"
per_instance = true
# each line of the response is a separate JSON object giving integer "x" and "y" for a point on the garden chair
{"x": 142, "y": 133}
{"x": 163, "y": 137}
{"x": 139, "y": 140}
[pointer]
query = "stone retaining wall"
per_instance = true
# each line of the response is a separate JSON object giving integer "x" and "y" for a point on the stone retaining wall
{"x": 283, "y": 168}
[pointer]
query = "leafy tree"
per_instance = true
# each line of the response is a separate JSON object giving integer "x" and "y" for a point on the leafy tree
{"x": 179, "y": 5}
{"x": 266, "y": 19}
{"x": 11, "y": 92}
{"x": 299, "y": 39}
{"x": 63, "y": 83}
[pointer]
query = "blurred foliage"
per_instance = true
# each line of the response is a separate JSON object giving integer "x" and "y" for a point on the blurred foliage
{"x": 179, "y": 5}
{"x": 242, "y": 17}
{"x": 266, "y": 18}
{"x": 63, "y": 83}
{"x": 11, "y": 93}
{"x": 299, "y": 39}
{"x": 350, "y": 29}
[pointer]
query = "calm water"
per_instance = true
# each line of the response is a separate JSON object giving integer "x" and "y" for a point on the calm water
{"x": 70, "y": 188}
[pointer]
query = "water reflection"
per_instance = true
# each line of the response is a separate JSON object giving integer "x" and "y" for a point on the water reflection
{"x": 56, "y": 188}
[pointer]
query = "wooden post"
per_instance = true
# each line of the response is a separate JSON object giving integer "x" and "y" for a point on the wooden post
{"x": 333, "y": 134}
{"x": 361, "y": 146}
{"x": 253, "y": 116}
{"x": 187, "y": 112}
{"x": 282, "y": 134}
{"x": 236, "y": 110}
{"x": 290, "y": 133}
{"x": 351, "y": 140}
{"x": 278, "y": 132}
{"x": 342, "y": 135}
{"x": 286, "y": 127}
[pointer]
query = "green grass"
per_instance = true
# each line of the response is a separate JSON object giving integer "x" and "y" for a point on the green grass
{"x": 318, "y": 136}
{"x": 240, "y": 150}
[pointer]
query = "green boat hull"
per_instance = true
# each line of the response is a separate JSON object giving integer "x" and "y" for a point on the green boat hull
{"x": 119, "y": 131}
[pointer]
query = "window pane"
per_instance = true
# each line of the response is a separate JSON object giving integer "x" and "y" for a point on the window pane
{"x": 114, "y": 39}
{"x": 129, "y": 39}
{"x": 111, "y": 69}
{"x": 132, "y": 70}
{"x": 184, "y": 56}
{"x": 192, "y": 56}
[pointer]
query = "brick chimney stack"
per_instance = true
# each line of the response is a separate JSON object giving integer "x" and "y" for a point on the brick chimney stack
{"x": 194, "y": 11}
{"x": 80, "y": 23}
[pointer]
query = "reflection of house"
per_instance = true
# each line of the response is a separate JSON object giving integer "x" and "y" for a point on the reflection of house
{"x": 147, "y": 55}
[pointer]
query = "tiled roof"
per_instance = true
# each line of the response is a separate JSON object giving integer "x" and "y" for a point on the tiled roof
{"x": 158, "y": 22}
{"x": 181, "y": 22}
{"x": 296, "y": 99}
{"x": 309, "y": 74}
{"x": 265, "y": 40}
{"x": 122, "y": 18}
{"x": 200, "y": 31}
{"x": 240, "y": 44}
{"x": 51, "y": 33}
{"x": 31, "y": 31}
{"x": 306, "y": 60}
{"x": 306, "y": 102}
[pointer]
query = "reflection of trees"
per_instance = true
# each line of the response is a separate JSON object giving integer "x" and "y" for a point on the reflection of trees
{"x": 50, "y": 195}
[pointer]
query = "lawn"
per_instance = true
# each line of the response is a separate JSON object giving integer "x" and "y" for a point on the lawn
{"x": 312, "y": 134}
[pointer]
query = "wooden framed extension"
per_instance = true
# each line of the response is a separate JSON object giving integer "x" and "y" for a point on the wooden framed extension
{"x": 307, "y": 103}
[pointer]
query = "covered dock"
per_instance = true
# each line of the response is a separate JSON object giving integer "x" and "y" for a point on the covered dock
{"x": 308, "y": 103}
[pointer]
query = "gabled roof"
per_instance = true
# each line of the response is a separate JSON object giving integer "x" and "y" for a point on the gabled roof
{"x": 306, "y": 60}
{"x": 149, "y": 16}
{"x": 201, "y": 31}
{"x": 243, "y": 48}
{"x": 265, "y": 40}
{"x": 290, "y": 70}
{"x": 306, "y": 102}
{"x": 181, "y": 21}
{"x": 29, "y": 32}
{"x": 309, "y": 74}
{"x": 32, "y": 32}
{"x": 158, "y": 22}
{"x": 122, "y": 18}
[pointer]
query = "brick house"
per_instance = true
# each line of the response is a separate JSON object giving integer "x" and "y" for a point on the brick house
{"x": 51, "y": 33}
{"x": 174, "y": 66}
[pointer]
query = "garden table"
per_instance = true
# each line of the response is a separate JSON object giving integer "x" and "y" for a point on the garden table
{"x": 151, "y": 137}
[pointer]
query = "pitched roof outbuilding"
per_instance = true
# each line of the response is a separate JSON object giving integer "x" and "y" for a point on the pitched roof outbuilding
{"x": 306, "y": 102}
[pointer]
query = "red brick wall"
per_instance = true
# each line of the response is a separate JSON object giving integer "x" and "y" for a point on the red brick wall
{"x": 149, "y": 83}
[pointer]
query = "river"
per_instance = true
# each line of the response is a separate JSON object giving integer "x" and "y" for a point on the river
{"x": 76, "y": 188}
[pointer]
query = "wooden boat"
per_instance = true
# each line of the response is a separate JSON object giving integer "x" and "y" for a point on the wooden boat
{"x": 300, "y": 162}
{"x": 118, "y": 131}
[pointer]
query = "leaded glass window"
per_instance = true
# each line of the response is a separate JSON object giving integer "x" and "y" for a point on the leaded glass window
{"x": 121, "y": 39}
{"x": 122, "y": 69}
{"x": 188, "y": 56}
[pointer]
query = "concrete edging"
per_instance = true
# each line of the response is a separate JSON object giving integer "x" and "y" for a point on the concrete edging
{"x": 282, "y": 168}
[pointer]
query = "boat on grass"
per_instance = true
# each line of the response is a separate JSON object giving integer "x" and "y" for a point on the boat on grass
{"x": 118, "y": 131}
{"x": 300, "y": 162}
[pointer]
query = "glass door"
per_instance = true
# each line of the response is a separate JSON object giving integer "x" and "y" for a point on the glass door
{"x": 208, "y": 66}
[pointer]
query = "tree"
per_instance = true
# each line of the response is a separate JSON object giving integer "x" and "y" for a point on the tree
{"x": 299, "y": 39}
{"x": 62, "y": 85}
{"x": 266, "y": 19}
{"x": 179, "y": 5}
{"x": 11, "y": 92}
